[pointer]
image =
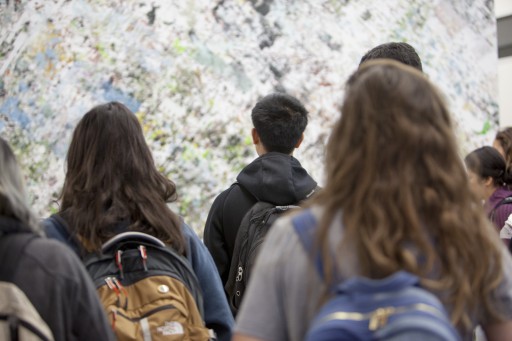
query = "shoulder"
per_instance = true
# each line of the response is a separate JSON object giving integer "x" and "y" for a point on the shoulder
{"x": 234, "y": 195}
{"x": 282, "y": 242}
{"x": 188, "y": 233}
{"x": 505, "y": 207}
{"x": 196, "y": 250}
{"x": 52, "y": 262}
{"x": 503, "y": 293}
{"x": 231, "y": 193}
{"x": 49, "y": 252}
{"x": 56, "y": 229}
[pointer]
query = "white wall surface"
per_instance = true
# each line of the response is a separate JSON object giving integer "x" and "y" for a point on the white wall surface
{"x": 502, "y": 8}
{"x": 505, "y": 91}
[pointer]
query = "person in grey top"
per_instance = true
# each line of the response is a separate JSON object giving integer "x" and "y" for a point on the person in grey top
{"x": 50, "y": 275}
{"x": 396, "y": 198}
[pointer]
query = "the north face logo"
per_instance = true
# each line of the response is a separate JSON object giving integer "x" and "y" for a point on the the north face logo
{"x": 171, "y": 328}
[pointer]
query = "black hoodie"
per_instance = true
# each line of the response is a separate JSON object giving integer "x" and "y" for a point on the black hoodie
{"x": 273, "y": 177}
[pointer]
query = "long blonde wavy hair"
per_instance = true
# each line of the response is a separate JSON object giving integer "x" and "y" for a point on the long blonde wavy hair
{"x": 394, "y": 171}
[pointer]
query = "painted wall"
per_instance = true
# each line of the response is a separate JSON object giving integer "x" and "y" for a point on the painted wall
{"x": 192, "y": 70}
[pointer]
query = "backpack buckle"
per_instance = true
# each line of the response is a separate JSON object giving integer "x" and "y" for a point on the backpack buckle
{"x": 380, "y": 317}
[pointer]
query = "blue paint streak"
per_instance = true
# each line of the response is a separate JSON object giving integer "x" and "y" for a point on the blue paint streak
{"x": 113, "y": 94}
{"x": 40, "y": 59}
{"x": 50, "y": 54}
{"x": 23, "y": 86}
{"x": 13, "y": 112}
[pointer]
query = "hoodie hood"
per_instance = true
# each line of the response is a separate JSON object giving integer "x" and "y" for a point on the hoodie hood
{"x": 278, "y": 179}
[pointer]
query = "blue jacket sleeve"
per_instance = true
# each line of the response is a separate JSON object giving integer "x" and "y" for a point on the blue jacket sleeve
{"x": 54, "y": 229}
{"x": 216, "y": 310}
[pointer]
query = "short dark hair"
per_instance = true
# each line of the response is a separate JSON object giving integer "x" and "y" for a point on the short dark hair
{"x": 402, "y": 52}
{"x": 280, "y": 120}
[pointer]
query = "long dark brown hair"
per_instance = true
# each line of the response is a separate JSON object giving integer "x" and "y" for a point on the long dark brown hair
{"x": 394, "y": 171}
{"x": 111, "y": 178}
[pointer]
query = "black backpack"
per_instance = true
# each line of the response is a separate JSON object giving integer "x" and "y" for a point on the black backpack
{"x": 250, "y": 236}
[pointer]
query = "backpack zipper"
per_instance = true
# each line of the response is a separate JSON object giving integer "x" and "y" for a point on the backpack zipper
{"x": 379, "y": 317}
{"x": 149, "y": 313}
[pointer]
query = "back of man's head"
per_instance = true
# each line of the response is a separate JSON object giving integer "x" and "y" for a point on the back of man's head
{"x": 402, "y": 52}
{"x": 280, "y": 120}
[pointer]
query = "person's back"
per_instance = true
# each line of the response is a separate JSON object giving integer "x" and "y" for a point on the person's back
{"x": 275, "y": 177}
{"x": 396, "y": 199}
{"x": 112, "y": 186}
{"x": 48, "y": 273}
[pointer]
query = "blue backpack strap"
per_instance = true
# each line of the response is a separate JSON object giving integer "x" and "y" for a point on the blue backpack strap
{"x": 305, "y": 225}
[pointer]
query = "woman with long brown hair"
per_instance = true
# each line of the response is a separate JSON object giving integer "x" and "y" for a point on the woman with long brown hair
{"x": 396, "y": 198}
{"x": 112, "y": 185}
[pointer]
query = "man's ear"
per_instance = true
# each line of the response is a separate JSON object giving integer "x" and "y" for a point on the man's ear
{"x": 255, "y": 136}
{"x": 297, "y": 145}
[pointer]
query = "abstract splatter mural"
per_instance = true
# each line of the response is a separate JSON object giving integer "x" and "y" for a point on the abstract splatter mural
{"x": 192, "y": 70}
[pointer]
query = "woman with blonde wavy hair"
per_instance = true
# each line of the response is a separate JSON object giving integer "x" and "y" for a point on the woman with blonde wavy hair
{"x": 47, "y": 272}
{"x": 396, "y": 198}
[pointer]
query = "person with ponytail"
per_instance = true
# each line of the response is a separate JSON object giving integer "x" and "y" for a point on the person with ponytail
{"x": 396, "y": 198}
{"x": 490, "y": 179}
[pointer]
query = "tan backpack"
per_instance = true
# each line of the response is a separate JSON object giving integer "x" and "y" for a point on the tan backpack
{"x": 149, "y": 291}
{"x": 19, "y": 320}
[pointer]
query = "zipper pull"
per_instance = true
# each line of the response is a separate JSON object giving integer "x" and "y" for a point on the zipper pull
{"x": 114, "y": 318}
{"x": 119, "y": 263}
{"x": 144, "y": 256}
{"x": 123, "y": 290}
{"x": 239, "y": 274}
{"x": 112, "y": 286}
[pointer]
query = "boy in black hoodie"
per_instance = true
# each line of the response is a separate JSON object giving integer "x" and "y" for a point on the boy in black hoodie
{"x": 275, "y": 176}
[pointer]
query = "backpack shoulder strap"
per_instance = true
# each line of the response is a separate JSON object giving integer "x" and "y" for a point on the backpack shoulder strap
{"x": 305, "y": 225}
{"x": 505, "y": 201}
